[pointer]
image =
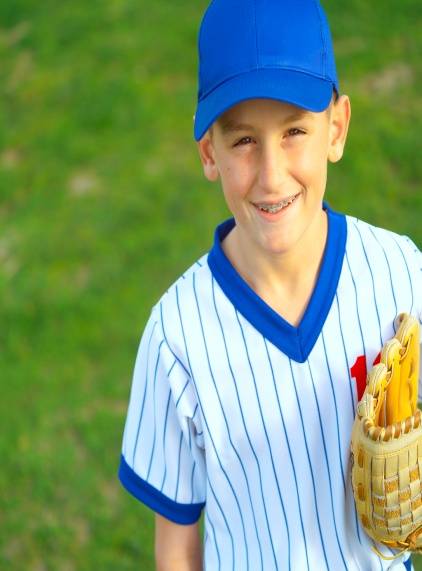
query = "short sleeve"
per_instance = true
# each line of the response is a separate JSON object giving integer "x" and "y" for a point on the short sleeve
{"x": 162, "y": 463}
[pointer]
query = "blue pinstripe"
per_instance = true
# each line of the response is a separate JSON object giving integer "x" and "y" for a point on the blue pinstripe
{"x": 244, "y": 425}
{"x": 408, "y": 274}
{"x": 389, "y": 273}
{"x": 209, "y": 432}
{"x": 288, "y": 447}
{"x": 354, "y": 404}
{"x": 215, "y": 543}
{"x": 378, "y": 317}
{"x": 178, "y": 465}
{"x": 167, "y": 343}
{"x": 357, "y": 304}
{"x": 192, "y": 478}
{"x": 154, "y": 400}
{"x": 171, "y": 368}
{"x": 328, "y": 466}
{"x": 309, "y": 462}
{"x": 164, "y": 440}
{"x": 336, "y": 409}
{"x": 195, "y": 411}
{"x": 373, "y": 283}
{"x": 363, "y": 352}
{"x": 269, "y": 447}
{"x": 182, "y": 392}
{"x": 352, "y": 400}
{"x": 225, "y": 521}
{"x": 143, "y": 399}
{"x": 224, "y": 415}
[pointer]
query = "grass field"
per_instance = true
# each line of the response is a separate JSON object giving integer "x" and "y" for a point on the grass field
{"x": 103, "y": 204}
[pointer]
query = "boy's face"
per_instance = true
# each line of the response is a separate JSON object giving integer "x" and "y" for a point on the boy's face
{"x": 270, "y": 154}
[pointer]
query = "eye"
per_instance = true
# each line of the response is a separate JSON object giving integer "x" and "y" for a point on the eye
{"x": 243, "y": 141}
{"x": 295, "y": 131}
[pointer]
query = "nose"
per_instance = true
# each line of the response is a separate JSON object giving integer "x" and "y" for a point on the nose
{"x": 272, "y": 168}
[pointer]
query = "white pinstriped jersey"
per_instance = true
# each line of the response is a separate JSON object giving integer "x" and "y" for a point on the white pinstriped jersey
{"x": 235, "y": 411}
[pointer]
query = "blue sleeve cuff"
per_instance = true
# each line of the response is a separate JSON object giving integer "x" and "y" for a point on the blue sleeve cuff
{"x": 143, "y": 491}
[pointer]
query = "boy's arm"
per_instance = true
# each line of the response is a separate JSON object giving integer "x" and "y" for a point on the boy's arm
{"x": 177, "y": 547}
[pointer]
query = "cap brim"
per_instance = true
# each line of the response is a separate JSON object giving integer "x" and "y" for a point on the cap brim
{"x": 294, "y": 87}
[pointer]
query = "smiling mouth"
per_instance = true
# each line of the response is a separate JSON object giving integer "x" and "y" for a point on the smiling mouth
{"x": 276, "y": 207}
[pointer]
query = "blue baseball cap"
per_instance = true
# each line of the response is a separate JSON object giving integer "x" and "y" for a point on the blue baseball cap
{"x": 276, "y": 49}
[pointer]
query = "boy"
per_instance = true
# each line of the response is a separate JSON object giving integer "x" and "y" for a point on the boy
{"x": 251, "y": 365}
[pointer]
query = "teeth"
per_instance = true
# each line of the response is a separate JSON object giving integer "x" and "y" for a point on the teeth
{"x": 273, "y": 208}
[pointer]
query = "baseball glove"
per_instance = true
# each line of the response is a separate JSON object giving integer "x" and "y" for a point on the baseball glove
{"x": 387, "y": 445}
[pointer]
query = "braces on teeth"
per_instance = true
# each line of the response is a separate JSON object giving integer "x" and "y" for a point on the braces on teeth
{"x": 275, "y": 207}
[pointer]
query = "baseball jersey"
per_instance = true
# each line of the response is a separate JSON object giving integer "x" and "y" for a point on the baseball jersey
{"x": 235, "y": 412}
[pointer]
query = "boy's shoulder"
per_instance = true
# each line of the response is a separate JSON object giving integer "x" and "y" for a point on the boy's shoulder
{"x": 385, "y": 251}
{"x": 174, "y": 307}
{"x": 196, "y": 271}
{"x": 379, "y": 238}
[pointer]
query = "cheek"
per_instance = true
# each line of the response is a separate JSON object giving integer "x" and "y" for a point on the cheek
{"x": 236, "y": 178}
{"x": 310, "y": 166}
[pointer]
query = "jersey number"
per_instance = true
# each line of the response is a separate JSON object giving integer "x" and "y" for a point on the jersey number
{"x": 359, "y": 372}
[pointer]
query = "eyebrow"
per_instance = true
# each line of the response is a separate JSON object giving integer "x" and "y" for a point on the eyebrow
{"x": 230, "y": 126}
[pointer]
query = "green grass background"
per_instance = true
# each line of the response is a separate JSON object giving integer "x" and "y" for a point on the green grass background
{"x": 103, "y": 204}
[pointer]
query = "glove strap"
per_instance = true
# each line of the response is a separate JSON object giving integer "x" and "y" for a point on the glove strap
{"x": 408, "y": 545}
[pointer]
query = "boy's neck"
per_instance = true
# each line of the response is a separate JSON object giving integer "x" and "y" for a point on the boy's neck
{"x": 284, "y": 281}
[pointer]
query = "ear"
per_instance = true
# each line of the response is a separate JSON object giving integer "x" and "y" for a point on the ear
{"x": 207, "y": 155}
{"x": 339, "y": 125}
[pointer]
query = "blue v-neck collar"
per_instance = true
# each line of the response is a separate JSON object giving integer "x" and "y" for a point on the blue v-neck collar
{"x": 295, "y": 342}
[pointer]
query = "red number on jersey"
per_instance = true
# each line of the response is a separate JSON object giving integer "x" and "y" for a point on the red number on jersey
{"x": 359, "y": 373}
